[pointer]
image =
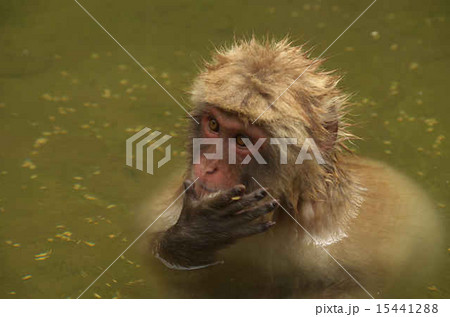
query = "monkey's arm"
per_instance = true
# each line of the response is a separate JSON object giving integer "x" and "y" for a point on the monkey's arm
{"x": 207, "y": 225}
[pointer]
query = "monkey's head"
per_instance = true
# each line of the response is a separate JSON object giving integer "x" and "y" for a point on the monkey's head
{"x": 267, "y": 90}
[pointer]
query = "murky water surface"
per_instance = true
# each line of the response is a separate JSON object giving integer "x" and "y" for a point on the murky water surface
{"x": 69, "y": 98}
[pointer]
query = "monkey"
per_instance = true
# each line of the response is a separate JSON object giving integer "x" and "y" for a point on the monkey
{"x": 349, "y": 228}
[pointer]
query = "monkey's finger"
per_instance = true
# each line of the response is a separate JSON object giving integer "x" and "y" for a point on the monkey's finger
{"x": 225, "y": 198}
{"x": 252, "y": 229}
{"x": 245, "y": 201}
{"x": 253, "y": 213}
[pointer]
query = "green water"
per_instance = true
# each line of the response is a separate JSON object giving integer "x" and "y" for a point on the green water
{"x": 69, "y": 98}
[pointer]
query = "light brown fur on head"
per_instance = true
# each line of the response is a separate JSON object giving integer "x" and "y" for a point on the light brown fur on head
{"x": 246, "y": 79}
{"x": 249, "y": 76}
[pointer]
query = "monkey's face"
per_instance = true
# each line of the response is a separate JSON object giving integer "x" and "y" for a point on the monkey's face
{"x": 227, "y": 169}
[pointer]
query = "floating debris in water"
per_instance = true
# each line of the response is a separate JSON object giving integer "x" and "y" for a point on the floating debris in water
{"x": 413, "y": 66}
{"x": 43, "y": 255}
{"x": 393, "y": 88}
{"x": 97, "y": 296}
{"x": 64, "y": 236}
{"x": 375, "y": 35}
{"x": 135, "y": 282}
{"x": 111, "y": 206}
{"x": 124, "y": 82}
{"x": 394, "y": 47}
{"x": 28, "y": 164}
{"x": 12, "y": 293}
{"x": 60, "y": 227}
{"x": 122, "y": 67}
{"x": 112, "y": 236}
{"x": 430, "y": 122}
{"x": 91, "y": 244}
{"x": 26, "y": 277}
{"x": 16, "y": 245}
{"x": 432, "y": 288}
{"x": 47, "y": 97}
{"x": 106, "y": 93}
{"x": 89, "y": 197}
{"x": 77, "y": 186}
{"x": 95, "y": 56}
{"x": 349, "y": 49}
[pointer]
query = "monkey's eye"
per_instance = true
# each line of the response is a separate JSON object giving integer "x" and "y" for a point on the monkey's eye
{"x": 213, "y": 125}
{"x": 240, "y": 141}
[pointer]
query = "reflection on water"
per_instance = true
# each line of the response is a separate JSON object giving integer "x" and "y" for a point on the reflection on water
{"x": 70, "y": 97}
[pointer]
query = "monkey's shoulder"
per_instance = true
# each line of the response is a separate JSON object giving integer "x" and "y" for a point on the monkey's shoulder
{"x": 397, "y": 219}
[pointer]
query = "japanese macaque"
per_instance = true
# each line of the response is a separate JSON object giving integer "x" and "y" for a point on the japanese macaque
{"x": 350, "y": 227}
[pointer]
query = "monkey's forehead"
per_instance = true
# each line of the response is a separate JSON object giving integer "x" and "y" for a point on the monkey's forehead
{"x": 244, "y": 101}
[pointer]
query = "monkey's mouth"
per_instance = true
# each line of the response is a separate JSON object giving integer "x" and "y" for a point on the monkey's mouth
{"x": 201, "y": 188}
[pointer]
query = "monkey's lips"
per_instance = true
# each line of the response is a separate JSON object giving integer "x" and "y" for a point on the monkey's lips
{"x": 202, "y": 189}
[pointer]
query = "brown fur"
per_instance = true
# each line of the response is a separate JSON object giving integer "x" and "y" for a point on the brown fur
{"x": 376, "y": 222}
{"x": 246, "y": 78}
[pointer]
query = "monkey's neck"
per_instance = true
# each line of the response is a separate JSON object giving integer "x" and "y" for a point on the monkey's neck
{"x": 329, "y": 203}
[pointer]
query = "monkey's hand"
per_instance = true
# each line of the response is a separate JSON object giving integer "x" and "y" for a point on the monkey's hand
{"x": 210, "y": 224}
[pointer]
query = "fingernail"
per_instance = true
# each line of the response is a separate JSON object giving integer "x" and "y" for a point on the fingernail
{"x": 239, "y": 189}
{"x": 261, "y": 194}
